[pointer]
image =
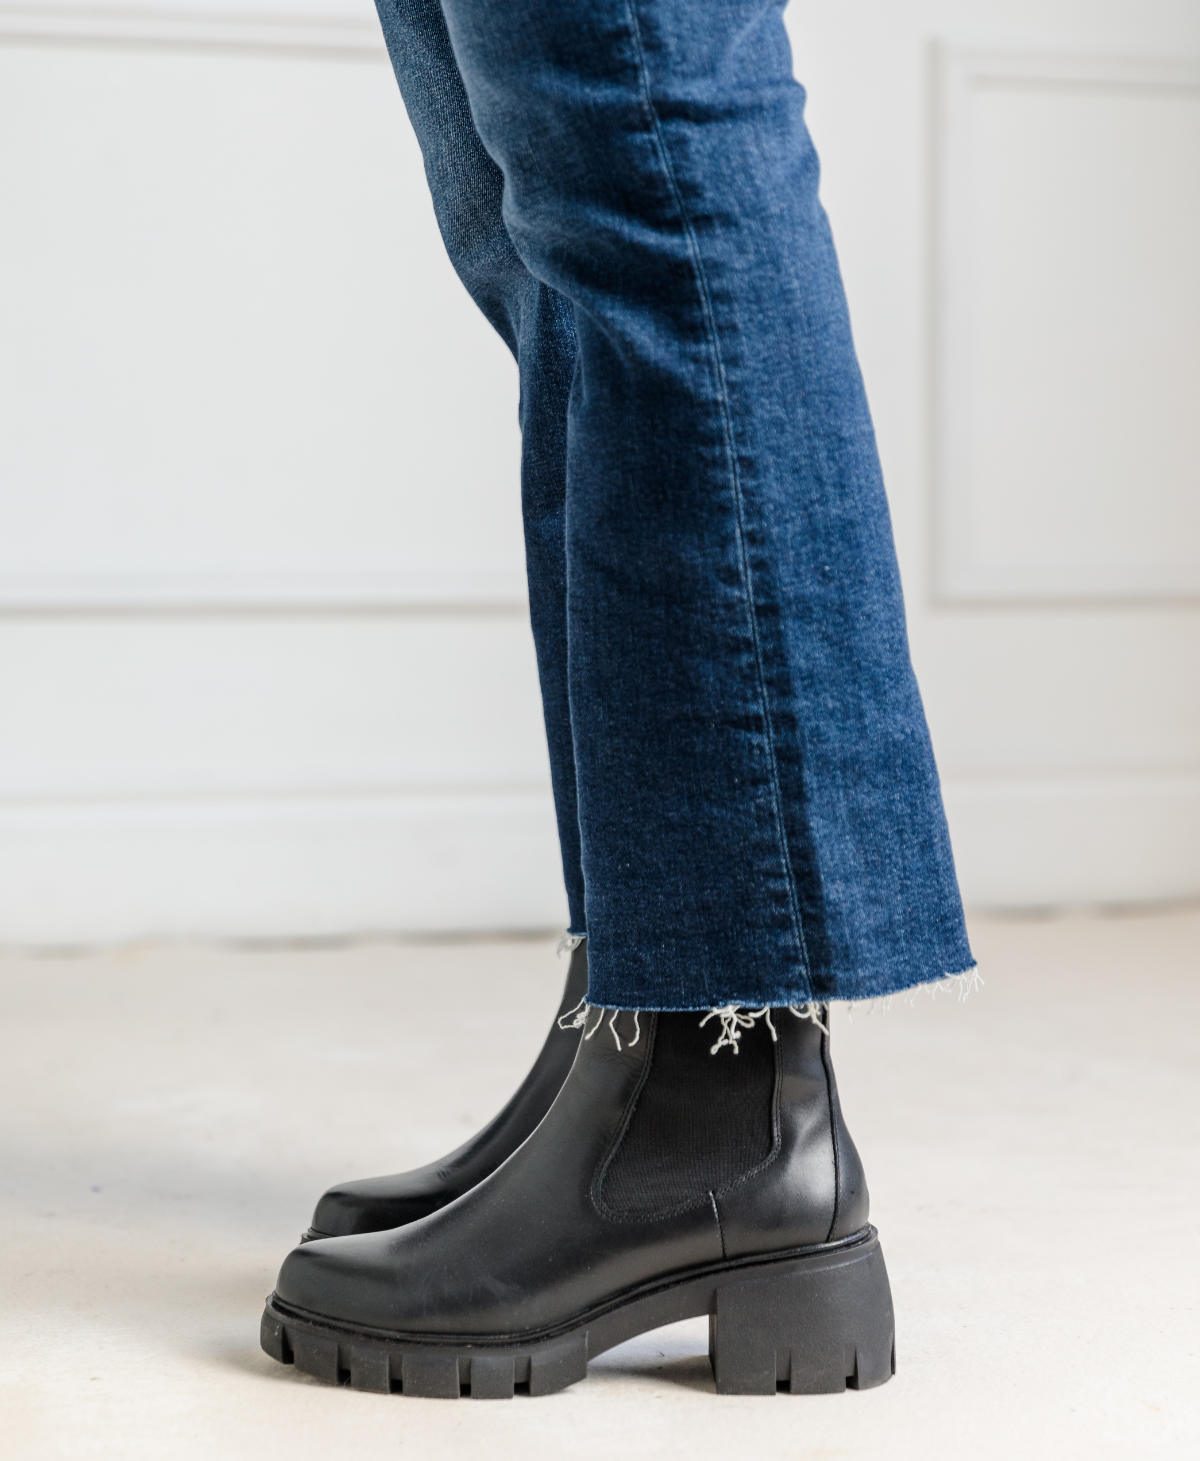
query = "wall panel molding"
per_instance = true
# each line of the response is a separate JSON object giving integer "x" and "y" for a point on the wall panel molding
{"x": 339, "y": 38}
{"x": 971, "y": 563}
{"x": 414, "y": 590}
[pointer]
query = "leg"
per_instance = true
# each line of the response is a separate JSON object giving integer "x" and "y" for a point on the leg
{"x": 536, "y": 323}
{"x": 760, "y": 814}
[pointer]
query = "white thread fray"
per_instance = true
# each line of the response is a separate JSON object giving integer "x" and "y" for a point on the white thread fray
{"x": 612, "y": 1025}
{"x": 570, "y": 942}
{"x": 577, "y": 1019}
{"x": 961, "y": 986}
{"x": 734, "y": 1020}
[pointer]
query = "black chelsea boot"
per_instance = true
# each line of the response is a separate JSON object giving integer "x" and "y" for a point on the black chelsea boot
{"x": 372, "y": 1204}
{"x": 665, "y": 1182}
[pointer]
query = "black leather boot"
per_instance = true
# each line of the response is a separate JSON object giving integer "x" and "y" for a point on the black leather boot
{"x": 665, "y": 1182}
{"x": 372, "y": 1204}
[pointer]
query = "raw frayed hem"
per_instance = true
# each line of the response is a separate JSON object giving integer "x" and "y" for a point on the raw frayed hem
{"x": 578, "y": 1017}
{"x": 734, "y": 1020}
{"x": 961, "y": 986}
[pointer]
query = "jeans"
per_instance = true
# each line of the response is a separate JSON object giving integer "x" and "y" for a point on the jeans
{"x": 747, "y": 801}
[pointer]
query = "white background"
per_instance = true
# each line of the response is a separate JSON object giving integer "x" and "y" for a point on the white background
{"x": 265, "y": 661}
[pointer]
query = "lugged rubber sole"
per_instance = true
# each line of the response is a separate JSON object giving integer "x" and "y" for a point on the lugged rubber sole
{"x": 809, "y": 1323}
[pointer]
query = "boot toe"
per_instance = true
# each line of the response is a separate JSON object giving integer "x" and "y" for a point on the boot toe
{"x": 342, "y": 1279}
{"x": 374, "y": 1204}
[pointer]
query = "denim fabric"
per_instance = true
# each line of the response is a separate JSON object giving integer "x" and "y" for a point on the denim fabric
{"x": 747, "y": 798}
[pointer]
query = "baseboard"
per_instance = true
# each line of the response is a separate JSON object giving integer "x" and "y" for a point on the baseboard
{"x": 278, "y": 867}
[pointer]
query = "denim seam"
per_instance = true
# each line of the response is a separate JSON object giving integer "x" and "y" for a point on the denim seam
{"x": 710, "y": 325}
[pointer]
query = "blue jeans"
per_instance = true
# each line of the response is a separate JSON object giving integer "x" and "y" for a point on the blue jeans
{"x": 747, "y": 801}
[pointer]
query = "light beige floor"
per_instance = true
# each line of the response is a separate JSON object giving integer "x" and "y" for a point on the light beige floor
{"x": 168, "y": 1116}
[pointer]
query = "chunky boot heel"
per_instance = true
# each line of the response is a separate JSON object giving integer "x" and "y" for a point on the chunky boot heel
{"x": 811, "y": 1326}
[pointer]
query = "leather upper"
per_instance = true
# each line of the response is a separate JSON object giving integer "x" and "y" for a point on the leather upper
{"x": 529, "y": 1246}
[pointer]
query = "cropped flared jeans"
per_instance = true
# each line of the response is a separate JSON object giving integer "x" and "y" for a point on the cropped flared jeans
{"x": 748, "y": 806}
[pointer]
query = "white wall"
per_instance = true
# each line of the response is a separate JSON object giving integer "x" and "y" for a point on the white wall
{"x": 263, "y": 643}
